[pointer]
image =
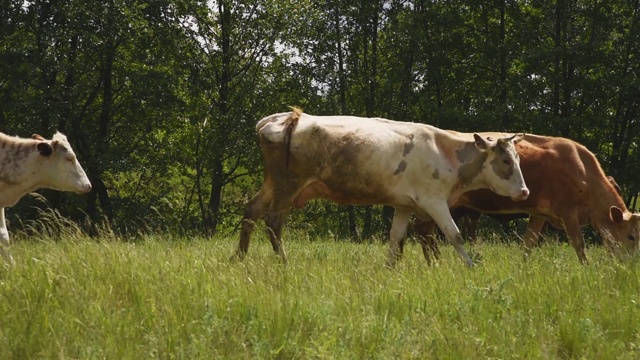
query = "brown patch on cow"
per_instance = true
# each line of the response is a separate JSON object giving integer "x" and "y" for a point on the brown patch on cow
{"x": 408, "y": 146}
{"x": 337, "y": 163}
{"x": 502, "y": 169}
{"x": 472, "y": 160}
{"x": 466, "y": 153}
{"x": 436, "y": 174}
{"x": 402, "y": 166}
{"x": 344, "y": 195}
{"x": 289, "y": 126}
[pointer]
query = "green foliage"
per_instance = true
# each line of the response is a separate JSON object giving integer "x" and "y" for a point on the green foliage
{"x": 160, "y": 100}
{"x": 171, "y": 297}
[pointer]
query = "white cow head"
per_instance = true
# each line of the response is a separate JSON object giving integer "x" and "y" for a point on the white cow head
{"x": 61, "y": 169}
{"x": 501, "y": 169}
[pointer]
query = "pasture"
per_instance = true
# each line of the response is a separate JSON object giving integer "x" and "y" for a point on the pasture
{"x": 177, "y": 298}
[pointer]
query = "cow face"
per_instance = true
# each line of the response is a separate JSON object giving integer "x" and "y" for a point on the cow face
{"x": 624, "y": 236}
{"x": 63, "y": 171}
{"x": 501, "y": 169}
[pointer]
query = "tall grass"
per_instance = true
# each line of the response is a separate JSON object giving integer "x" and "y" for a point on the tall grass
{"x": 181, "y": 298}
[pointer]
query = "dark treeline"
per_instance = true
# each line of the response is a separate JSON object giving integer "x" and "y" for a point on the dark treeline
{"x": 160, "y": 98}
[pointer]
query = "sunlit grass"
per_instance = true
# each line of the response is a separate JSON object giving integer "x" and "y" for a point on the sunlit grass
{"x": 164, "y": 297}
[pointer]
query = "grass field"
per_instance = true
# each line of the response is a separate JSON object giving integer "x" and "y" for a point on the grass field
{"x": 173, "y": 298}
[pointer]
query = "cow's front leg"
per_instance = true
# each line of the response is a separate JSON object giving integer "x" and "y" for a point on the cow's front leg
{"x": 534, "y": 228}
{"x": 574, "y": 232}
{"x": 4, "y": 239}
{"x": 439, "y": 212}
{"x": 398, "y": 231}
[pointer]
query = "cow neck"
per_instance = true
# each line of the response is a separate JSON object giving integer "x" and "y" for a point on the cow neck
{"x": 469, "y": 162}
{"x": 16, "y": 156}
{"x": 604, "y": 196}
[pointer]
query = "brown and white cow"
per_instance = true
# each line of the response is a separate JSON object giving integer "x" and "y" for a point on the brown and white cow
{"x": 30, "y": 164}
{"x": 569, "y": 189}
{"x": 471, "y": 217}
{"x": 415, "y": 168}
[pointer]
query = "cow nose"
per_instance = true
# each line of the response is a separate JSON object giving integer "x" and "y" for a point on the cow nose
{"x": 524, "y": 194}
{"x": 86, "y": 188}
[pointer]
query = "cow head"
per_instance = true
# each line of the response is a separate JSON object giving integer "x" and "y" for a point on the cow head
{"x": 501, "y": 168}
{"x": 624, "y": 237}
{"x": 61, "y": 167}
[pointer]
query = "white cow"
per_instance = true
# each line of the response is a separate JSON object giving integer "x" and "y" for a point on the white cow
{"x": 352, "y": 160}
{"x": 30, "y": 164}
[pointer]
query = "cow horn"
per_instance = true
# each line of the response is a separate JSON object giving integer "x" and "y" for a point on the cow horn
{"x": 512, "y": 137}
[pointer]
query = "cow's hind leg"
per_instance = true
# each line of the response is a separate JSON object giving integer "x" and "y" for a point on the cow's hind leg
{"x": 254, "y": 209}
{"x": 4, "y": 240}
{"x": 274, "y": 220}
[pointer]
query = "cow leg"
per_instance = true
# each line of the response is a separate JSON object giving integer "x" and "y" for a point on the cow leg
{"x": 471, "y": 226}
{"x": 574, "y": 231}
{"x": 254, "y": 209}
{"x": 398, "y": 232}
{"x": 274, "y": 219}
{"x": 533, "y": 233}
{"x": 4, "y": 239}
{"x": 441, "y": 215}
{"x": 427, "y": 239}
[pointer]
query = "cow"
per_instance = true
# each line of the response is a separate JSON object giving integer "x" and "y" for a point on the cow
{"x": 415, "y": 168}
{"x": 30, "y": 164}
{"x": 471, "y": 217}
{"x": 569, "y": 190}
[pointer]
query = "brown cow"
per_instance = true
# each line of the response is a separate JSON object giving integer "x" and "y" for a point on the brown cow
{"x": 568, "y": 189}
{"x": 471, "y": 217}
{"x": 415, "y": 168}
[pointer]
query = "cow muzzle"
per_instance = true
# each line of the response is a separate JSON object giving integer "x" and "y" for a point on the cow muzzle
{"x": 84, "y": 188}
{"x": 523, "y": 195}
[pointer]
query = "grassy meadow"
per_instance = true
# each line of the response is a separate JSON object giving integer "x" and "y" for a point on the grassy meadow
{"x": 171, "y": 298}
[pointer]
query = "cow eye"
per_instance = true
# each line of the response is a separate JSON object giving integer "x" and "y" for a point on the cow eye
{"x": 631, "y": 237}
{"x": 507, "y": 162}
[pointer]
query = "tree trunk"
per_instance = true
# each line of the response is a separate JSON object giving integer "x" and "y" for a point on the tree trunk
{"x": 351, "y": 212}
{"x": 371, "y": 34}
{"x": 212, "y": 217}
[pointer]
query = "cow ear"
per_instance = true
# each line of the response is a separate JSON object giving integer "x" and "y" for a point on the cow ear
{"x": 480, "y": 143}
{"x": 44, "y": 148}
{"x": 616, "y": 214}
{"x": 37, "y": 137}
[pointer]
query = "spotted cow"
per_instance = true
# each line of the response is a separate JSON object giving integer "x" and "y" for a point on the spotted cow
{"x": 30, "y": 164}
{"x": 412, "y": 167}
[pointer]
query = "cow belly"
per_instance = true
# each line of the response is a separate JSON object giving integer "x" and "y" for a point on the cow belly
{"x": 320, "y": 190}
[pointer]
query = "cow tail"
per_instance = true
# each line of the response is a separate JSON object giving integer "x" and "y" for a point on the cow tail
{"x": 289, "y": 126}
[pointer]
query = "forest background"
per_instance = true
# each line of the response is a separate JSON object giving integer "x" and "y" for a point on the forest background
{"x": 160, "y": 98}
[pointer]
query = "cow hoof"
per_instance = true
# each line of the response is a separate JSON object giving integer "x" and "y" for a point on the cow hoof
{"x": 237, "y": 256}
{"x": 475, "y": 257}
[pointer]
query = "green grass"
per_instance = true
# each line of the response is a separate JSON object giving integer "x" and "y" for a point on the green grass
{"x": 182, "y": 298}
